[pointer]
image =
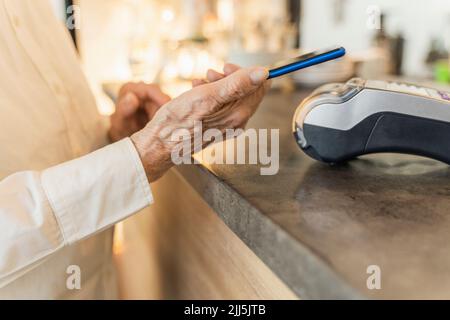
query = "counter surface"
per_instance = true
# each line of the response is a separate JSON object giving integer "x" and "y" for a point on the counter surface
{"x": 320, "y": 227}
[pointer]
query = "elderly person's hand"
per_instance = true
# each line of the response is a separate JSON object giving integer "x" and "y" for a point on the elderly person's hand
{"x": 224, "y": 101}
{"x": 136, "y": 106}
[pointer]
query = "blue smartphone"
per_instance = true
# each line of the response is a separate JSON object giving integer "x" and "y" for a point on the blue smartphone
{"x": 306, "y": 60}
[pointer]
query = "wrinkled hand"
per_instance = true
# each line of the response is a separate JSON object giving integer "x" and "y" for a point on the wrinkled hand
{"x": 136, "y": 106}
{"x": 223, "y": 101}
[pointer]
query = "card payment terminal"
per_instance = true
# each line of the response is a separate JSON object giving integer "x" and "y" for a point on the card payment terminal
{"x": 340, "y": 121}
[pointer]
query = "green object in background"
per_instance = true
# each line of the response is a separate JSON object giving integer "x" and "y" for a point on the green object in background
{"x": 442, "y": 71}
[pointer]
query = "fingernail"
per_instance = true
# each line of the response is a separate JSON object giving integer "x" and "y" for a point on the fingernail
{"x": 259, "y": 75}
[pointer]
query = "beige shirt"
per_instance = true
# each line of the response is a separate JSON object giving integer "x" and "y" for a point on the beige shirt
{"x": 50, "y": 209}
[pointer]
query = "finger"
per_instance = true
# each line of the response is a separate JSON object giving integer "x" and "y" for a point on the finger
{"x": 214, "y": 76}
{"x": 128, "y": 105}
{"x": 137, "y": 88}
{"x": 142, "y": 119}
{"x": 230, "y": 68}
{"x": 239, "y": 84}
{"x": 145, "y": 91}
{"x": 151, "y": 108}
{"x": 198, "y": 82}
{"x": 155, "y": 94}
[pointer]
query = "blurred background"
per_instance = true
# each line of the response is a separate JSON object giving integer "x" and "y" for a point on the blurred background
{"x": 172, "y": 41}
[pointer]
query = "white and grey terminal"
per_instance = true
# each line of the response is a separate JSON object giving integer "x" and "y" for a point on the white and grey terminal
{"x": 340, "y": 121}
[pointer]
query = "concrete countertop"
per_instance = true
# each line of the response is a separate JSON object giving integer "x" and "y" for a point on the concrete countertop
{"x": 320, "y": 227}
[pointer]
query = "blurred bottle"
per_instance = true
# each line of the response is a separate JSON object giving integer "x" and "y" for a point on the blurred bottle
{"x": 437, "y": 60}
{"x": 392, "y": 48}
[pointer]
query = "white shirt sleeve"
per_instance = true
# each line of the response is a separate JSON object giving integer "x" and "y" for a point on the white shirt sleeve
{"x": 41, "y": 212}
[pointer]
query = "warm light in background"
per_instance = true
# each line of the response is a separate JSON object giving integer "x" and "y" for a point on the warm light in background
{"x": 167, "y": 15}
{"x": 171, "y": 42}
{"x": 225, "y": 13}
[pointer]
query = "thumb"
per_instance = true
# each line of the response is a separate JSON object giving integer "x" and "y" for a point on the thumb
{"x": 239, "y": 84}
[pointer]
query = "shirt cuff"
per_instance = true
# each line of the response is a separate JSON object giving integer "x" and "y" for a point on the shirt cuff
{"x": 95, "y": 192}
